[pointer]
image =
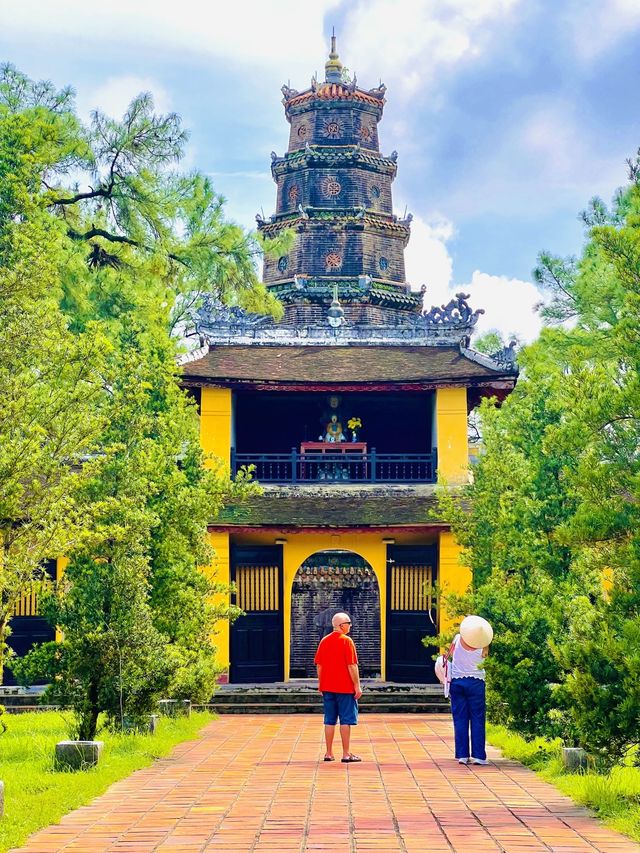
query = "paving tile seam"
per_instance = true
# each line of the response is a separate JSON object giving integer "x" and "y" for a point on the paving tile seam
{"x": 299, "y": 805}
{"x": 351, "y": 816}
{"x": 312, "y": 791}
{"x": 392, "y": 813}
{"x": 162, "y": 764}
{"x": 478, "y": 774}
{"x": 528, "y": 794}
{"x": 189, "y": 746}
{"x": 417, "y": 783}
{"x": 256, "y": 839}
{"x": 541, "y": 804}
{"x": 242, "y": 746}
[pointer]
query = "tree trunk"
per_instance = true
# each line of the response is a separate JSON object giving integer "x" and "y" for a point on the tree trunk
{"x": 89, "y": 715}
{"x": 3, "y": 630}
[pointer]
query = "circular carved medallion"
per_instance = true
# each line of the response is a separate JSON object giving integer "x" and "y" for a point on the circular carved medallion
{"x": 331, "y": 187}
{"x": 333, "y": 260}
{"x": 283, "y": 263}
{"x": 293, "y": 195}
{"x": 332, "y": 128}
{"x": 375, "y": 191}
{"x": 303, "y": 131}
{"x": 383, "y": 263}
{"x": 365, "y": 132}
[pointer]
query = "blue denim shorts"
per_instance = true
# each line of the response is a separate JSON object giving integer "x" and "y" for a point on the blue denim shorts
{"x": 342, "y": 705}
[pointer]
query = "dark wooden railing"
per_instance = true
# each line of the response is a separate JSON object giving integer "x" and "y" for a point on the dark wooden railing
{"x": 371, "y": 467}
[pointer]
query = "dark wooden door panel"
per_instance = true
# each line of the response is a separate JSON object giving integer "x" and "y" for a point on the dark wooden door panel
{"x": 410, "y": 614}
{"x": 256, "y": 652}
{"x": 26, "y": 632}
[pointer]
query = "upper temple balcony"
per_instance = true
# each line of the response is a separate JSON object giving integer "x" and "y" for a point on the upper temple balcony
{"x": 285, "y": 399}
{"x": 319, "y": 438}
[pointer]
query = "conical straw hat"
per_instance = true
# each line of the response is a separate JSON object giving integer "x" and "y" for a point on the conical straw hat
{"x": 476, "y": 631}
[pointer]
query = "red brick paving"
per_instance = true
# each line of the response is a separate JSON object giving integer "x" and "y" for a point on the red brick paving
{"x": 257, "y": 784}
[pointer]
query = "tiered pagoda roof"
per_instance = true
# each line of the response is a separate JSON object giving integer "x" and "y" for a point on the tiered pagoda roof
{"x": 334, "y": 191}
{"x": 350, "y": 317}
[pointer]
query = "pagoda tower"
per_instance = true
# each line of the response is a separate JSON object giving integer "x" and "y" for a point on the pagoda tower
{"x": 334, "y": 191}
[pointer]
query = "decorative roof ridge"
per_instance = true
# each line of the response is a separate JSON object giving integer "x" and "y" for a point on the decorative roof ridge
{"x": 504, "y": 359}
{"x": 194, "y": 355}
{"x": 328, "y": 91}
{"x": 290, "y": 219}
{"x": 350, "y": 149}
{"x": 446, "y": 325}
{"x": 353, "y": 154}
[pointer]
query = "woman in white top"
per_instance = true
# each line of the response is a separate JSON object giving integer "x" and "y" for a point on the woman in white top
{"x": 468, "y": 703}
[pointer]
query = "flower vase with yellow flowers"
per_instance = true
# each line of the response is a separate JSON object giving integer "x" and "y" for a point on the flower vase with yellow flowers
{"x": 354, "y": 425}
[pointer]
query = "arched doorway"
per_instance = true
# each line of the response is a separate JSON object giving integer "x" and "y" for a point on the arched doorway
{"x": 326, "y": 583}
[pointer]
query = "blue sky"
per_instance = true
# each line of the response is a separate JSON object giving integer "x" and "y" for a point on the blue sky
{"x": 508, "y": 115}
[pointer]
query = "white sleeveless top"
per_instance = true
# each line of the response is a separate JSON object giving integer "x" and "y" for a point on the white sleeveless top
{"x": 464, "y": 664}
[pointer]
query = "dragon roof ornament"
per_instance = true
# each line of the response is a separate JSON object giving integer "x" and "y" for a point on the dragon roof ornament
{"x": 456, "y": 314}
{"x": 214, "y": 316}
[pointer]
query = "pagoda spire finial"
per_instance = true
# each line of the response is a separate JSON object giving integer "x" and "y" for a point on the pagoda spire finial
{"x": 333, "y": 66}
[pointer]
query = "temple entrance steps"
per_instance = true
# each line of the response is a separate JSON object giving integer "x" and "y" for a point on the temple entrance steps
{"x": 300, "y": 696}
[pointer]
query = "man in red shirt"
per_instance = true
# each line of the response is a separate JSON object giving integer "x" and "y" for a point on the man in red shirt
{"x": 339, "y": 682}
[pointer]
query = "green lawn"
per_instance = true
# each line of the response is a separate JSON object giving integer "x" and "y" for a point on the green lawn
{"x": 36, "y": 795}
{"x": 613, "y": 796}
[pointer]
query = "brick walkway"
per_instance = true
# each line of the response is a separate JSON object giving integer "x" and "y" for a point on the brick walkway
{"x": 256, "y": 785}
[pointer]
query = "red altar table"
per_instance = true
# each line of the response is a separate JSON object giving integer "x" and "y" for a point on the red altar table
{"x": 313, "y": 451}
{"x": 333, "y": 447}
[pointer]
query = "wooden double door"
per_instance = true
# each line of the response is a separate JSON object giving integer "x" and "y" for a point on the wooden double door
{"x": 411, "y": 614}
{"x": 256, "y": 642}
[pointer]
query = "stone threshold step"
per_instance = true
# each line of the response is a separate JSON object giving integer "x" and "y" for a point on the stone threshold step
{"x": 275, "y": 708}
{"x": 24, "y": 709}
{"x": 291, "y": 695}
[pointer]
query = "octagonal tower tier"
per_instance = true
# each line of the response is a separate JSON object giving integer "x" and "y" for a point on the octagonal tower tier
{"x": 334, "y": 190}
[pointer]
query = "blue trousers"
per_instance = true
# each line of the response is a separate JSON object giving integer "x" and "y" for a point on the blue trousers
{"x": 468, "y": 708}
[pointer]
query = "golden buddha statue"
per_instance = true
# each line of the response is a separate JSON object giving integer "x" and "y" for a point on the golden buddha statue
{"x": 333, "y": 432}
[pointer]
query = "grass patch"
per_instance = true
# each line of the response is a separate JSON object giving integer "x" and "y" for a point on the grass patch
{"x": 613, "y": 796}
{"x": 37, "y": 795}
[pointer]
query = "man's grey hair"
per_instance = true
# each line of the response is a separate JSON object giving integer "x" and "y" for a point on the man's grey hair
{"x": 338, "y": 618}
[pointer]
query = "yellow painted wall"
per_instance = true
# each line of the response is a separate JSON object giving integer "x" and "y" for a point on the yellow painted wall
{"x": 61, "y": 565}
{"x": 451, "y": 431}
{"x": 454, "y": 577}
{"x": 220, "y": 572}
{"x": 215, "y": 423}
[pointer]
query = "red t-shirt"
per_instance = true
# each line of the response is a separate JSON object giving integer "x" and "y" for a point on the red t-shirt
{"x": 335, "y": 653}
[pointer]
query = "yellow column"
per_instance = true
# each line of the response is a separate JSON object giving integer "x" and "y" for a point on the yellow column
{"x": 219, "y": 571}
{"x": 215, "y": 423}
{"x": 61, "y": 565}
{"x": 451, "y": 430}
{"x": 453, "y": 577}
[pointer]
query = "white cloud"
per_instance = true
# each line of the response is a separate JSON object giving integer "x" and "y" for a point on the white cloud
{"x": 116, "y": 93}
{"x": 596, "y": 25}
{"x": 508, "y": 304}
{"x": 427, "y": 259}
{"x": 411, "y": 47}
{"x": 246, "y": 31}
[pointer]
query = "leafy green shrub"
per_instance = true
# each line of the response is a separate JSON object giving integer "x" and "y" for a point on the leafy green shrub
{"x": 601, "y": 657}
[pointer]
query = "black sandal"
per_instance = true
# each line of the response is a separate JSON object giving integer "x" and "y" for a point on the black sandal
{"x": 352, "y": 759}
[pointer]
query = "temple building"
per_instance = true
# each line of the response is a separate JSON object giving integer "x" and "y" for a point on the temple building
{"x": 348, "y": 411}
